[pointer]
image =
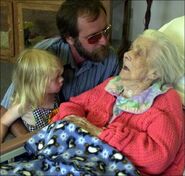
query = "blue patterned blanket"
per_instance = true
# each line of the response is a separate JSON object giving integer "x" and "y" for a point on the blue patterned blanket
{"x": 64, "y": 149}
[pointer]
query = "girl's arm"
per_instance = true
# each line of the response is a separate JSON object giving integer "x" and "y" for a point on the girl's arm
{"x": 18, "y": 128}
{"x": 7, "y": 119}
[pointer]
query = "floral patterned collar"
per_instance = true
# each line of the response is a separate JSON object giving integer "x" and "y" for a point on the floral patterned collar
{"x": 136, "y": 104}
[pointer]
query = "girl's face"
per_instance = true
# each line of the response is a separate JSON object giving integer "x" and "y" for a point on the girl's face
{"x": 55, "y": 82}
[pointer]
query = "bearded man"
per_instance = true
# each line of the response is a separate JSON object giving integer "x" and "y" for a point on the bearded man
{"x": 83, "y": 47}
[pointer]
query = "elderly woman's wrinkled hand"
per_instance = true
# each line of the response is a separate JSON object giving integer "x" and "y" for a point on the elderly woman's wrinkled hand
{"x": 85, "y": 124}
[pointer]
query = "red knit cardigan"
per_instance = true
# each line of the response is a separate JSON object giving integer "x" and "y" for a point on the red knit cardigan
{"x": 153, "y": 140}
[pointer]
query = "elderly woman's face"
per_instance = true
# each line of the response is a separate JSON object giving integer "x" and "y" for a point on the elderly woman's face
{"x": 135, "y": 62}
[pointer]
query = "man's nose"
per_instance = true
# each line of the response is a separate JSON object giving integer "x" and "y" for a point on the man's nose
{"x": 104, "y": 40}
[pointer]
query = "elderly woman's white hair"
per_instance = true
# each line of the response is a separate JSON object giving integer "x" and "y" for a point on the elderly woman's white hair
{"x": 164, "y": 57}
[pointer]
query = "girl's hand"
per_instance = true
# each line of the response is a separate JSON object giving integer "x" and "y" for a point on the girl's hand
{"x": 85, "y": 124}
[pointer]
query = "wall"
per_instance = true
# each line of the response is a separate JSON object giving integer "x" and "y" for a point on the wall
{"x": 117, "y": 19}
{"x": 5, "y": 77}
{"x": 162, "y": 11}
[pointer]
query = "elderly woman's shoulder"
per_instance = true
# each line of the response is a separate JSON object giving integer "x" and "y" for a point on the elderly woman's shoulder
{"x": 169, "y": 101}
{"x": 172, "y": 94}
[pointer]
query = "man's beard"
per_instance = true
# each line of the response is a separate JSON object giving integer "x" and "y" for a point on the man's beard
{"x": 97, "y": 55}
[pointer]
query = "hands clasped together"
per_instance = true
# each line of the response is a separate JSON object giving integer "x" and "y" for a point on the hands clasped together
{"x": 85, "y": 124}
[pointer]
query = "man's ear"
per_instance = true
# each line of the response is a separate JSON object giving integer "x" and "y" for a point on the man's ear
{"x": 153, "y": 74}
{"x": 70, "y": 40}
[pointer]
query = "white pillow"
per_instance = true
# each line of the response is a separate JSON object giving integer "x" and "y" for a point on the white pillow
{"x": 175, "y": 32}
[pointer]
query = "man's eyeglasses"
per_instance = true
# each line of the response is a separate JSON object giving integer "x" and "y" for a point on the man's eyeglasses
{"x": 96, "y": 37}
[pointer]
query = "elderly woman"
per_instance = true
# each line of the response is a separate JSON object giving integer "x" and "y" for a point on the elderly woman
{"x": 138, "y": 112}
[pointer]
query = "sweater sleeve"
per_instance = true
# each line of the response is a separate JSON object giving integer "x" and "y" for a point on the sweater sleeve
{"x": 80, "y": 104}
{"x": 76, "y": 106}
{"x": 153, "y": 147}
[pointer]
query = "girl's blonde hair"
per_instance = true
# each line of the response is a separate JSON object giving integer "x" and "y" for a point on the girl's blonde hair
{"x": 164, "y": 57}
{"x": 34, "y": 69}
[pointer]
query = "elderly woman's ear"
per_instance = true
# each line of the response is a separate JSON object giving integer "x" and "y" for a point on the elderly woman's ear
{"x": 152, "y": 75}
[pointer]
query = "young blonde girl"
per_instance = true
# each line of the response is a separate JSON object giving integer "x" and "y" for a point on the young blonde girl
{"x": 37, "y": 79}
